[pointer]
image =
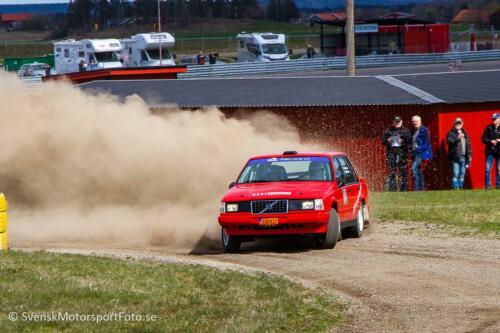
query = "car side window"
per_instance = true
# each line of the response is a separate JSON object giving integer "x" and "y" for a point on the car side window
{"x": 355, "y": 176}
{"x": 339, "y": 175}
{"x": 348, "y": 171}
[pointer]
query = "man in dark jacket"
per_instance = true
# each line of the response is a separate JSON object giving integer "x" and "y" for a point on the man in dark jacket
{"x": 397, "y": 140}
{"x": 459, "y": 153}
{"x": 491, "y": 138}
{"x": 421, "y": 151}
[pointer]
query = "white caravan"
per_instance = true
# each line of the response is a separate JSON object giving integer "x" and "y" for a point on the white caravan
{"x": 144, "y": 50}
{"x": 261, "y": 47}
{"x": 89, "y": 54}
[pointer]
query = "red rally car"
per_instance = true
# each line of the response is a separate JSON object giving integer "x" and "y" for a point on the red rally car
{"x": 317, "y": 194}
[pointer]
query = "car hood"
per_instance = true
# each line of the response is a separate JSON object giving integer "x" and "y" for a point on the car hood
{"x": 278, "y": 190}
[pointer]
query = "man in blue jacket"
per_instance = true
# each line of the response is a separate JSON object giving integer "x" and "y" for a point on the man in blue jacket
{"x": 421, "y": 151}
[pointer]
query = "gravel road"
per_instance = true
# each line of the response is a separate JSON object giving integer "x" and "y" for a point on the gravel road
{"x": 395, "y": 279}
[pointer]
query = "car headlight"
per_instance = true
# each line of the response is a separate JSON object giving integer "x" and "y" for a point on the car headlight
{"x": 222, "y": 207}
{"x": 318, "y": 204}
{"x": 308, "y": 204}
{"x": 231, "y": 207}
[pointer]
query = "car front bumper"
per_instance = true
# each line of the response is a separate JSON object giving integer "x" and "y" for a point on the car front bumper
{"x": 291, "y": 223}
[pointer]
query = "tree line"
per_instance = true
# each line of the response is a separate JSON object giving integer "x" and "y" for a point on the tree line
{"x": 87, "y": 14}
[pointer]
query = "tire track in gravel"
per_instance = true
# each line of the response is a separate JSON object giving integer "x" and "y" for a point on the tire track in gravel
{"x": 394, "y": 280}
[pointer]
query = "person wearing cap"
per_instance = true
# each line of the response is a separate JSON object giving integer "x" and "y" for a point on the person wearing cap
{"x": 421, "y": 151}
{"x": 459, "y": 153}
{"x": 397, "y": 140}
{"x": 491, "y": 138}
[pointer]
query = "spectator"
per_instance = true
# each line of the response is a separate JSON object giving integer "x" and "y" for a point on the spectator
{"x": 491, "y": 138}
{"x": 397, "y": 140}
{"x": 459, "y": 153}
{"x": 200, "y": 58}
{"x": 392, "y": 47}
{"x": 310, "y": 52}
{"x": 421, "y": 151}
{"x": 82, "y": 66}
{"x": 212, "y": 58}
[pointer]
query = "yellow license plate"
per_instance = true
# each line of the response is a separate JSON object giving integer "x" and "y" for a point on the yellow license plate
{"x": 269, "y": 221}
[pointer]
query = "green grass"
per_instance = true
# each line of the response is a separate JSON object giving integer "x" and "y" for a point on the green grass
{"x": 184, "y": 298}
{"x": 202, "y": 35}
{"x": 467, "y": 212}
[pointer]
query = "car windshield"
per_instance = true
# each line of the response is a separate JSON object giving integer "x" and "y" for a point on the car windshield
{"x": 274, "y": 48}
{"x": 38, "y": 67}
{"x": 106, "y": 57}
{"x": 154, "y": 54}
{"x": 282, "y": 169}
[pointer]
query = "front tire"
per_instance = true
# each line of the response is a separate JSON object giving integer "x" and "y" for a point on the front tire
{"x": 329, "y": 240}
{"x": 231, "y": 244}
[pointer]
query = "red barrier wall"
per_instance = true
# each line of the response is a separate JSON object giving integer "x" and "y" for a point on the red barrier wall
{"x": 357, "y": 131}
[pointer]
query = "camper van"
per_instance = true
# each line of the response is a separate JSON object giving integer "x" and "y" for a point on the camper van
{"x": 144, "y": 50}
{"x": 89, "y": 54}
{"x": 261, "y": 47}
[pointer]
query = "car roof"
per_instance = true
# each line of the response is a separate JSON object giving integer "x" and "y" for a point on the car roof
{"x": 301, "y": 154}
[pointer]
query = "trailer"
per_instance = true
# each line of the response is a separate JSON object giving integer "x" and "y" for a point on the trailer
{"x": 143, "y": 50}
{"x": 261, "y": 47}
{"x": 89, "y": 54}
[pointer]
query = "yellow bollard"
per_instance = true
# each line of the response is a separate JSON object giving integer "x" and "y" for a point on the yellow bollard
{"x": 3, "y": 222}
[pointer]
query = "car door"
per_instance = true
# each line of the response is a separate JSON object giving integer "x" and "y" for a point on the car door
{"x": 352, "y": 187}
{"x": 341, "y": 192}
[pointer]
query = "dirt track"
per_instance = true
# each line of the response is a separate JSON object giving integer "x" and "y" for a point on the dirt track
{"x": 395, "y": 279}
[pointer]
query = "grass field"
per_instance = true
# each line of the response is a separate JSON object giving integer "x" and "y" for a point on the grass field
{"x": 464, "y": 212}
{"x": 184, "y": 298}
{"x": 203, "y": 35}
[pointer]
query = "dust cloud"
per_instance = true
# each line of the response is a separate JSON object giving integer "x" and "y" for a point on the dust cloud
{"x": 90, "y": 168}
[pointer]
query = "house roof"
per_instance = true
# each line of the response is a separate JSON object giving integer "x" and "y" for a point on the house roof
{"x": 339, "y": 19}
{"x": 260, "y": 92}
{"x": 404, "y": 89}
{"x": 398, "y": 15}
{"x": 472, "y": 16}
{"x": 458, "y": 87}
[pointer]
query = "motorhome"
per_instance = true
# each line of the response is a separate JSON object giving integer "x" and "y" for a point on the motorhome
{"x": 144, "y": 50}
{"x": 89, "y": 54}
{"x": 261, "y": 47}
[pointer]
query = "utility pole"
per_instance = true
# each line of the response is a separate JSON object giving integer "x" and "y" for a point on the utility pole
{"x": 351, "y": 56}
{"x": 159, "y": 32}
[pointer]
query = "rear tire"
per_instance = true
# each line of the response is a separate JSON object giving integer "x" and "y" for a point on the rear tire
{"x": 329, "y": 240}
{"x": 230, "y": 244}
{"x": 357, "y": 230}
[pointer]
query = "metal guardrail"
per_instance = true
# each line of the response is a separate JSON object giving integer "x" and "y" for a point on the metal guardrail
{"x": 302, "y": 65}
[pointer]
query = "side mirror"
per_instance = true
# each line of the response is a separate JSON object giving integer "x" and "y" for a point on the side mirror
{"x": 174, "y": 56}
{"x": 290, "y": 51}
{"x": 231, "y": 185}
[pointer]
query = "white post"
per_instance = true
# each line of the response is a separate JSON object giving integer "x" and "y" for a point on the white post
{"x": 159, "y": 32}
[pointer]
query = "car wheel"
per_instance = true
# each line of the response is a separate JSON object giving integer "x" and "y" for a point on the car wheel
{"x": 230, "y": 244}
{"x": 357, "y": 231}
{"x": 329, "y": 240}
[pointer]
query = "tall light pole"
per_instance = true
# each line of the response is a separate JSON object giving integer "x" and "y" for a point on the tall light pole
{"x": 351, "y": 56}
{"x": 159, "y": 32}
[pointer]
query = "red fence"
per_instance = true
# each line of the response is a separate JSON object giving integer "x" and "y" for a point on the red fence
{"x": 357, "y": 131}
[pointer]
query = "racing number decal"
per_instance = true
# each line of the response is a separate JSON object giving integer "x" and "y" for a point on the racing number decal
{"x": 344, "y": 194}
